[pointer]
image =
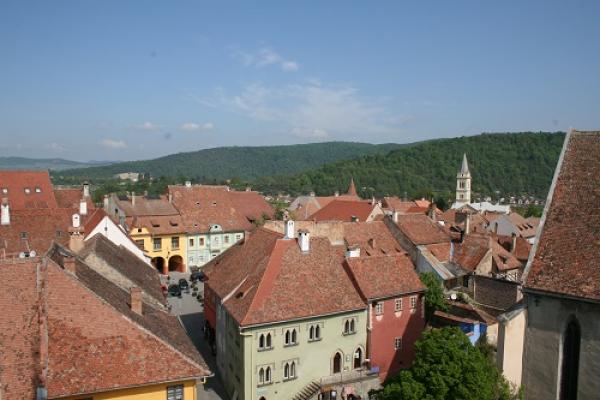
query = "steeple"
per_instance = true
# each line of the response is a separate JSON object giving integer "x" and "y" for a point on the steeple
{"x": 463, "y": 183}
{"x": 352, "y": 188}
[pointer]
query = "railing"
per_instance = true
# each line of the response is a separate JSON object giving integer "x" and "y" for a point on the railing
{"x": 347, "y": 376}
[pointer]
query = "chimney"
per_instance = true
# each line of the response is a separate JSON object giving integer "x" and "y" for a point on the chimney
{"x": 5, "y": 212}
{"x": 86, "y": 190}
{"x": 170, "y": 197}
{"x": 83, "y": 206}
{"x": 395, "y": 216}
{"x": 354, "y": 218}
{"x": 353, "y": 251}
{"x": 136, "y": 299}
{"x": 468, "y": 224}
{"x": 289, "y": 229}
{"x": 336, "y": 194}
{"x": 188, "y": 184}
{"x": 75, "y": 221}
{"x": 69, "y": 264}
{"x": 105, "y": 201}
{"x": 304, "y": 240}
{"x": 312, "y": 194}
{"x": 513, "y": 244}
{"x": 133, "y": 199}
{"x": 76, "y": 242}
{"x": 373, "y": 200}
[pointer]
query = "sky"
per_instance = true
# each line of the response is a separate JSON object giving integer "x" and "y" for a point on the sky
{"x": 126, "y": 80}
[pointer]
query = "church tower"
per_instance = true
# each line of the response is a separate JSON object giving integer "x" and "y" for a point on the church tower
{"x": 463, "y": 183}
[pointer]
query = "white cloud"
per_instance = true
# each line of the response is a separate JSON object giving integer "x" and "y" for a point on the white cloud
{"x": 313, "y": 110}
{"x": 195, "y": 127}
{"x": 55, "y": 147}
{"x": 113, "y": 143}
{"x": 265, "y": 57}
{"x": 147, "y": 126}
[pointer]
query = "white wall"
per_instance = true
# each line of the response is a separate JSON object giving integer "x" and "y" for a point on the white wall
{"x": 116, "y": 235}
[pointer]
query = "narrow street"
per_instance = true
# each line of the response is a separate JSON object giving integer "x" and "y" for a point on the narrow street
{"x": 191, "y": 313}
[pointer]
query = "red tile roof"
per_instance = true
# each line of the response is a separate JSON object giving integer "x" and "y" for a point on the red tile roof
{"x": 116, "y": 348}
{"x": 145, "y": 206}
{"x": 275, "y": 281}
{"x": 251, "y": 205}
{"x": 344, "y": 210}
{"x": 13, "y": 185}
{"x": 158, "y": 225}
{"x": 420, "y": 229}
{"x": 394, "y": 203}
{"x": 71, "y": 197}
{"x": 373, "y": 238}
{"x": 566, "y": 254}
{"x": 202, "y": 206}
{"x": 471, "y": 251}
{"x": 384, "y": 276}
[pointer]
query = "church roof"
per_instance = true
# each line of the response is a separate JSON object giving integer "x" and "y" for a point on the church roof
{"x": 464, "y": 169}
{"x": 352, "y": 188}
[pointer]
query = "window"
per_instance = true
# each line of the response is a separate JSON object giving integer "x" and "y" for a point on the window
{"x": 191, "y": 242}
{"x": 570, "y": 360}
{"x": 379, "y": 308}
{"x": 398, "y": 343}
{"x": 215, "y": 240}
{"x": 139, "y": 230}
{"x": 291, "y": 337}
{"x": 314, "y": 333}
{"x": 201, "y": 241}
{"x": 398, "y": 305}
{"x": 226, "y": 239}
{"x": 413, "y": 302}
{"x": 27, "y": 190}
{"x": 350, "y": 326}
{"x": 358, "y": 358}
{"x": 264, "y": 341}
{"x": 38, "y": 190}
{"x": 157, "y": 243}
{"x": 23, "y": 235}
{"x": 175, "y": 242}
{"x": 175, "y": 392}
{"x": 289, "y": 370}
{"x": 264, "y": 375}
{"x": 140, "y": 243}
{"x": 238, "y": 236}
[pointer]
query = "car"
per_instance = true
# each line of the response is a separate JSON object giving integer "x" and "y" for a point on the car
{"x": 184, "y": 285}
{"x": 197, "y": 276}
{"x": 174, "y": 290}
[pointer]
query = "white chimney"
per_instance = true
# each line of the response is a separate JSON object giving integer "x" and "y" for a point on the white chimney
{"x": 133, "y": 199}
{"x": 76, "y": 219}
{"x": 289, "y": 229}
{"x": 336, "y": 194}
{"x": 312, "y": 194}
{"x": 105, "y": 199}
{"x": 188, "y": 184}
{"x": 304, "y": 240}
{"x": 395, "y": 216}
{"x": 468, "y": 224}
{"x": 353, "y": 251}
{"x": 83, "y": 206}
{"x": 5, "y": 213}
{"x": 86, "y": 190}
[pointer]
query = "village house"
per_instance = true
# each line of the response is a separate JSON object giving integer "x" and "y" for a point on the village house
{"x": 69, "y": 332}
{"x": 515, "y": 224}
{"x": 349, "y": 211}
{"x": 562, "y": 281}
{"x": 286, "y": 315}
{"x": 304, "y": 206}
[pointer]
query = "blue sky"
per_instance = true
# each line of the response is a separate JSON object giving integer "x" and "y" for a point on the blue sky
{"x": 119, "y": 80}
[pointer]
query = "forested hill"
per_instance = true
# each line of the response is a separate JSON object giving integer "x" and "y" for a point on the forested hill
{"x": 512, "y": 163}
{"x": 55, "y": 164}
{"x": 246, "y": 163}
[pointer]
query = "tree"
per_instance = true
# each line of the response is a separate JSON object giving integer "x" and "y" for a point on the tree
{"x": 434, "y": 295}
{"x": 447, "y": 367}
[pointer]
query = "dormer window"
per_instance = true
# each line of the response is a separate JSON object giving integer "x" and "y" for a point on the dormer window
{"x": 27, "y": 190}
{"x": 38, "y": 190}
{"x": 4, "y": 190}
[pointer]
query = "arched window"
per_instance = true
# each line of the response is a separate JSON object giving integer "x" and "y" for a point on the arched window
{"x": 337, "y": 363}
{"x": 268, "y": 375}
{"x": 294, "y": 336}
{"x": 317, "y": 332}
{"x": 261, "y": 376}
{"x": 286, "y": 371}
{"x": 358, "y": 358}
{"x": 268, "y": 340}
{"x": 311, "y": 333}
{"x": 347, "y": 326}
{"x": 352, "y": 327}
{"x": 261, "y": 341}
{"x": 293, "y": 369}
{"x": 570, "y": 360}
{"x": 287, "y": 337}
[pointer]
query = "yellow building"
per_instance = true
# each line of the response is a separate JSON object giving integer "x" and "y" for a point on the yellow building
{"x": 155, "y": 225}
{"x": 173, "y": 390}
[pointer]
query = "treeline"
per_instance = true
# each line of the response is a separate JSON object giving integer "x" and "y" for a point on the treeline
{"x": 500, "y": 164}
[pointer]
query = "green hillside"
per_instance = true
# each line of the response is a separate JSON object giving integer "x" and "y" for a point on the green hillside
{"x": 236, "y": 162}
{"x": 511, "y": 163}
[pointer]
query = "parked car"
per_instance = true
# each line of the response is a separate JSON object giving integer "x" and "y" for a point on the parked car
{"x": 184, "y": 285}
{"x": 175, "y": 290}
{"x": 197, "y": 276}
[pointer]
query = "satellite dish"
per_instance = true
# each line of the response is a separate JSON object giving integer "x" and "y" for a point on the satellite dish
{"x": 453, "y": 296}
{"x": 32, "y": 253}
{"x": 21, "y": 255}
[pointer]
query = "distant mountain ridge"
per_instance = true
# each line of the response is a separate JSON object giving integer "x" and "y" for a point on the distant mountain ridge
{"x": 247, "y": 163}
{"x": 55, "y": 164}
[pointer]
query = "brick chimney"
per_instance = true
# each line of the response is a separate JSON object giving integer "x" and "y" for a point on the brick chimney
{"x": 5, "y": 212}
{"x": 136, "y": 299}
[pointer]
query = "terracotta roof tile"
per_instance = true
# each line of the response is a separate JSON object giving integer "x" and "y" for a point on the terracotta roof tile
{"x": 344, "y": 210}
{"x": 374, "y": 237}
{"x": 251, "y": 205}
{"x": 420, "y": 229}
{"x": 17, "y": 183}
{"x": 146, "y": 206}
{"x": 70, "y": 198}
{"x": 566, "y": 254}
{"x": 384, "y": 276}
